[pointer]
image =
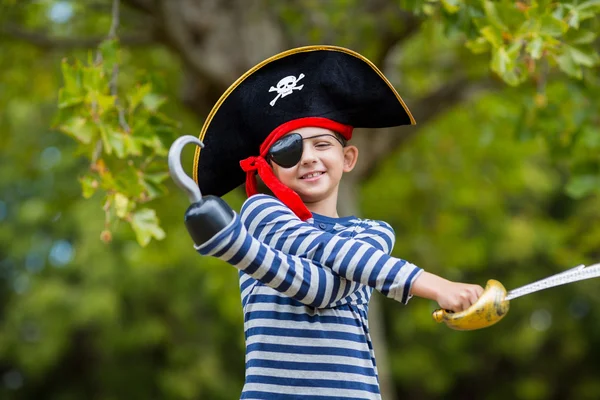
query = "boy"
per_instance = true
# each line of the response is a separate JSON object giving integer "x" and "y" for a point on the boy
{"x": 306, "y": 275}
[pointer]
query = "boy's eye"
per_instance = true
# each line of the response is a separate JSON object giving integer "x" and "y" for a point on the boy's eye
{"x": 323, "y": 144}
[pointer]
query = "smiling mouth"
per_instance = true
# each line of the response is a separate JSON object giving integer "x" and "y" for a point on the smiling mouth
{"x": 312, "y": 175}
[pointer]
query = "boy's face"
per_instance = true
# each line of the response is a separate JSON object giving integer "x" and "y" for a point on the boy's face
{"x": 317, "y": 175}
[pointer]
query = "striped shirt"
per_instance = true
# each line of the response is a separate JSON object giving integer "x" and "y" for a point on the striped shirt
{"x": 305, "y": 289}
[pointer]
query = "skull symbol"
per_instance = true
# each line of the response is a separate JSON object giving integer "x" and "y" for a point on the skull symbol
{"x": 285, "y": 87}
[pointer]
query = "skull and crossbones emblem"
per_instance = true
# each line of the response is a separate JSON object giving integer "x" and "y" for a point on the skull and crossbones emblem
{"x": 285, "y": 87}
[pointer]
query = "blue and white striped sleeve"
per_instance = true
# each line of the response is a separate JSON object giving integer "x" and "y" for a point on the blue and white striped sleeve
{"x": 276, "y": 225}
{"x": 312, "y": 274}
{"x": 293, "y": 276}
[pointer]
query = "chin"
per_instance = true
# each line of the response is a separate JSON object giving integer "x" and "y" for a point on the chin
{"x": 311, "y": 197}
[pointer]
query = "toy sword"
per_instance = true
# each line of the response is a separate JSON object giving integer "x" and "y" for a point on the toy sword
{"x": 493, "y": 304}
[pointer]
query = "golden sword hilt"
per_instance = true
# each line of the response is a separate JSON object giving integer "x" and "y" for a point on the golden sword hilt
{"x": 490, "y": 308}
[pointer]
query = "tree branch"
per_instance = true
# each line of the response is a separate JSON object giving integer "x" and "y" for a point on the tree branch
{"x": 141, "y": 5}
{"x": 185, "y": 41}
{"x": 391, "y": 36}
{"x": 44, "y": 41}
{"x": 112, "y": 33}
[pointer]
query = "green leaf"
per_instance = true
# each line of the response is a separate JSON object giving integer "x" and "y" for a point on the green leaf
{"x": 146, "y": 226}
{"x": 574, "y": 19}
{"x": 116, "y": 140}
{"x": 72, "y": 92}
{"x": 156, "y": 177}
{"x": 153, "y": 185}
{"x": 582, "y": 185}
{"x": 451, "y": 6}
{"x": 109, "y": 49}
{"x": 501, "y": 61}
{"x": 493, "y": 35}
{"x": 137, "y": 95}
{"x": 534, "y": 48}
{"x": 512, "y": 78}
{"x": 568, "y": 65}
{"x": 128, "y": 182}
{"x": 72, "y": 77}
{"x": 584, "y": 56}
{"x": 590, "y": 137}
{"x": 492, "y": 13}
{"x": 153, "y": 101}
{"x": 132, "y": 145}
{"x": 478, "y": 46}
{"x": 121, "y": 203}
{"x": 94, "y": 79}
{"x": 67, "y": 98}
{"x": 552, "y": 26}
{"x": 89, "y": 185}
{"x": 590, "y": 5}
{"x": 105, "y": 139}
{"x": 580, "y": 36}
{"x": 79, "y": 128}
{"x": 104, "y": 102}
{"x": 112, "y": 140}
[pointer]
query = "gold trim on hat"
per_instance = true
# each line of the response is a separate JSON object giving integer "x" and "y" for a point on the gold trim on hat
{"x": 277, "y": 57}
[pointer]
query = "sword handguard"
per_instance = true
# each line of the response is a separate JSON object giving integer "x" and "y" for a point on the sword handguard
{"x": 490, "y": 308}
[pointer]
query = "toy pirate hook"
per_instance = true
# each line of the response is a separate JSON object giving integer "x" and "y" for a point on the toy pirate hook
{"x": 207, "y": 215}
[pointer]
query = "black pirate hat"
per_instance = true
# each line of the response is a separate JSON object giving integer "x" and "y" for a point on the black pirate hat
{"x": 323, "y": 86}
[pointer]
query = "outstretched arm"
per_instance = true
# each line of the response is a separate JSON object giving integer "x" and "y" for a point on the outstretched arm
{"x": 274, "y": 223}
{"x": 363, "y": 260}
{"x": 305, "y": 281}
{"x": 375, "y": 233}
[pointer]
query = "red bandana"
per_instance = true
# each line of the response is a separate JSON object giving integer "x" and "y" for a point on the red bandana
{"x": 251, "y": 165}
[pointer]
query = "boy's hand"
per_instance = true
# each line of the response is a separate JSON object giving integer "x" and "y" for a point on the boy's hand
{"x": 453, "y": 296}
{"x": 457, "y": 297}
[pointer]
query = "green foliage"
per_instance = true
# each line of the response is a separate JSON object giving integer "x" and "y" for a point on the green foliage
{"x": 472, "y": 204}
{"x": 504, "y": 186}
{"x": 125, "y": 138}
{"x": 521, "y": 36}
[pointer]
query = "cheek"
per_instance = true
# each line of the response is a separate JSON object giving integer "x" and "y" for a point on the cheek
{"x": 334, "y": 163}
{"x": 284, "y": 174}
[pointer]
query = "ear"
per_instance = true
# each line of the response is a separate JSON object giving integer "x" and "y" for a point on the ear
{"x": 350, "y": 157}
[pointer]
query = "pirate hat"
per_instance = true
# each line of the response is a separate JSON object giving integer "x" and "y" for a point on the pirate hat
{"x": 321, "y": 86}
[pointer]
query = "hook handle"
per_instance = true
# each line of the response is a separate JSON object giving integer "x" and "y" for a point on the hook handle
{"x": 176, "y": 170}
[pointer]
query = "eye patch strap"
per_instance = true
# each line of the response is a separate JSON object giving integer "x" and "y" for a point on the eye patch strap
{"x": 251, "y": 165}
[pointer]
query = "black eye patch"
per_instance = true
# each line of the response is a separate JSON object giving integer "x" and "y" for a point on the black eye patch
{"x": 287, "y": 151}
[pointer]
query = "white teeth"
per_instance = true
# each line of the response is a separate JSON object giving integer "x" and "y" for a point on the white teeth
{"x": 311, "y": 175}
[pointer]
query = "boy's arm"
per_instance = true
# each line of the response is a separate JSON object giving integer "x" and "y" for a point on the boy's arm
{"x": 275, "y": 225}
{"x": 295, "y": 277}
{"x": 450, "y": 295}
{"x": 299, "y": 278}
{"x": 347, "y": 258}
{"x": 376, "y": 233}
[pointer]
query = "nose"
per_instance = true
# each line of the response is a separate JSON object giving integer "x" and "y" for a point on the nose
{"x": 308, "y": 154}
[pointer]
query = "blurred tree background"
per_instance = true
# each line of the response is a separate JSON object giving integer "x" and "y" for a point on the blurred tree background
{"x": 101, "y": 293}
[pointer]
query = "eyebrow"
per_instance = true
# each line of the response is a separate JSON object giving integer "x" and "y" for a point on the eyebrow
{"x": 320, "y": 135}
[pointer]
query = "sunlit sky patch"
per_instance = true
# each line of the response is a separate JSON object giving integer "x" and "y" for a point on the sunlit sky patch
{"x": 61, "y": 253}
{"x": 60, "y": 12}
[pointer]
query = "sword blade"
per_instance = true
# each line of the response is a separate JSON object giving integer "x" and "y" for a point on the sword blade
{"x": 579, "y": 273}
